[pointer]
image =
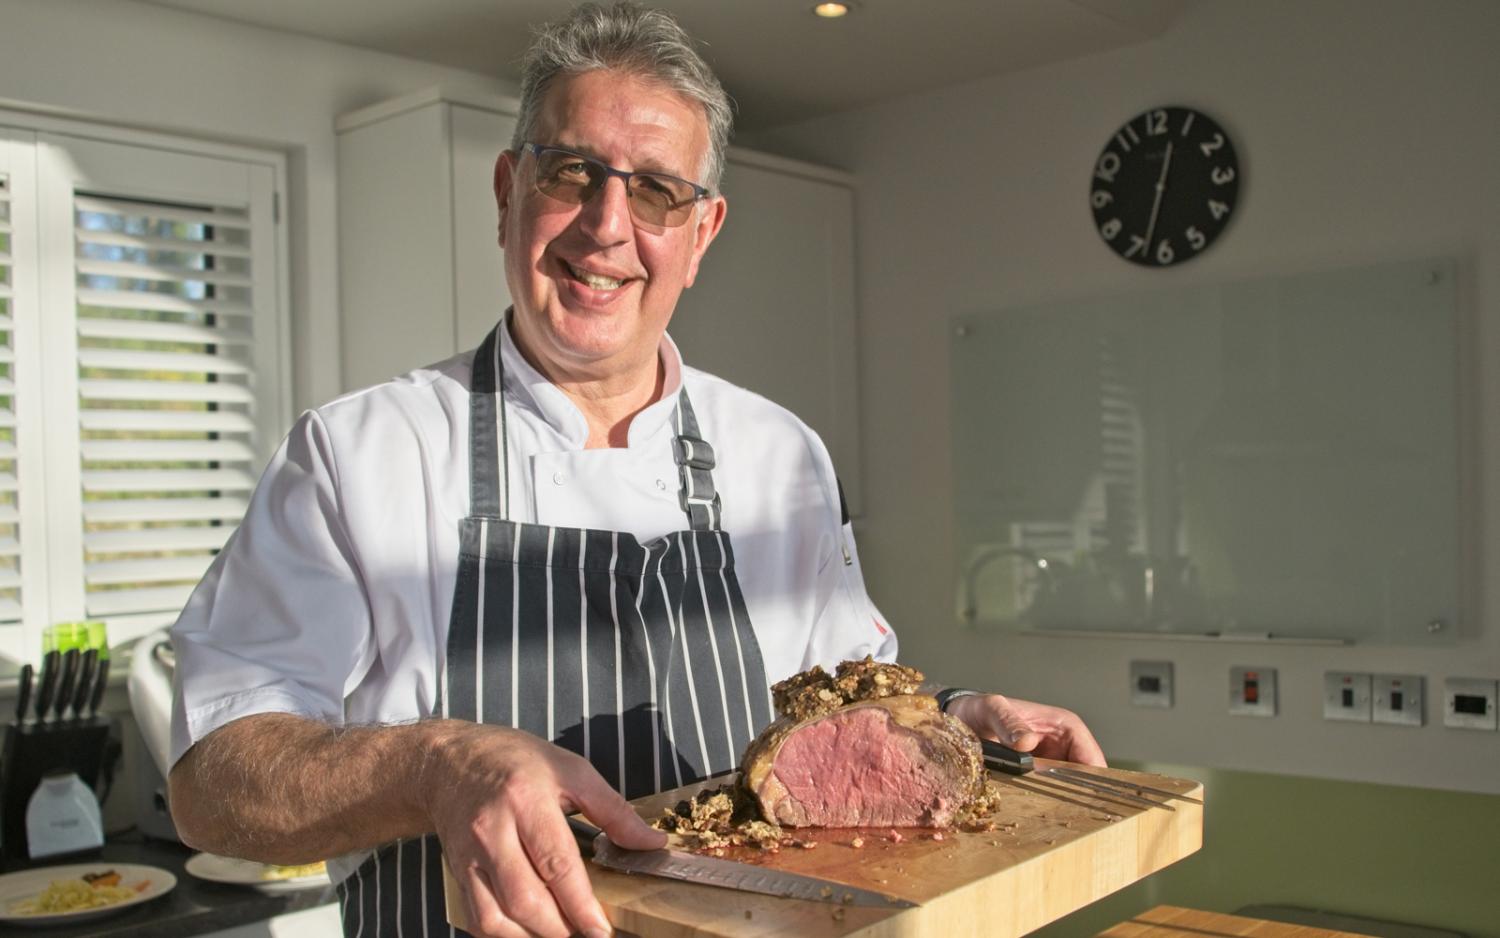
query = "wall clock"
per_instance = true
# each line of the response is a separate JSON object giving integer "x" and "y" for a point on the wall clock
{"x": 1164, "y": 186}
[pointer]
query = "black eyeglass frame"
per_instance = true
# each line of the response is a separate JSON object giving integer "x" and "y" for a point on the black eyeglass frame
{"x": 537, "y": 149}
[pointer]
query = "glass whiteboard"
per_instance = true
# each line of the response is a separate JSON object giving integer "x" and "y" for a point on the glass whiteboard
{"x": 1274, "y": 458}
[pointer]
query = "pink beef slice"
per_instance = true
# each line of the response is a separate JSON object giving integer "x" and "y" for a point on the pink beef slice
{"x": 893, "y": 762}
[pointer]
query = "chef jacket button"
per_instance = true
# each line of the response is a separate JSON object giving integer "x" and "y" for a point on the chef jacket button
{"x": 661, "y": 484}
{"x": 557, "y": 478}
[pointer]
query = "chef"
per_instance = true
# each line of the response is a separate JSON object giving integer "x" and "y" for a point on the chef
{"x": 547, "y": 575}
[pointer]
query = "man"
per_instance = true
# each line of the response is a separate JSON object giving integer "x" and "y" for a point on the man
{"x": 555, "y": 569}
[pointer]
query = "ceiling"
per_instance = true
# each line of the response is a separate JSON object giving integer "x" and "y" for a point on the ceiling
{"x": 779, "y": 62}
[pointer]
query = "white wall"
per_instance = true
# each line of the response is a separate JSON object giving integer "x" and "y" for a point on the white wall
{"x": 1368, "y": 132}
{"x": 150, "y": 67}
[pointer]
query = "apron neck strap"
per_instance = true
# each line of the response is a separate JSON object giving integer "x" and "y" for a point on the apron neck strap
{"x": 489, "y": 463}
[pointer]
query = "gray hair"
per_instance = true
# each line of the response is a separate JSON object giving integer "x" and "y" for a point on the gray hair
{"x": 626, "y": 38}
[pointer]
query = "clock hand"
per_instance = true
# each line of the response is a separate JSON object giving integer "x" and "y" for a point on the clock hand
{"x": 1161, "y": 186}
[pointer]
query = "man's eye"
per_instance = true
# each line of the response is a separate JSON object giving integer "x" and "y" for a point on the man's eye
{"x": 657, "y": 190}
{"x": 576, "y": 171}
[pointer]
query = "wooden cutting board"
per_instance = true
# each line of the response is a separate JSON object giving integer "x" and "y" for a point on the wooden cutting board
{"x": 1170, "y": 921}
{"x": 1057, "y": 849}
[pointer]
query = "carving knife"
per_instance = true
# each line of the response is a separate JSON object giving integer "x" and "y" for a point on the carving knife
{"x": 729, "y": 874}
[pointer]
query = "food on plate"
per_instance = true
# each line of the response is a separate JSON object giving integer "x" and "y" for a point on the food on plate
{"x": 272, "y": 871}
{"x": 858, "y": 748}
{"x": 90, "y": 891}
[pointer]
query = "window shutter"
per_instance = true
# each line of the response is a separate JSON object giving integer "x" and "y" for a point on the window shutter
{"x": 10, "y": 515}
{"x": 166, "y": 385}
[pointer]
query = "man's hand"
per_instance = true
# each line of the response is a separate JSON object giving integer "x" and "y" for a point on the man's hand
{"x": 498, "y": 800}
{"x": 1048, "y": 732}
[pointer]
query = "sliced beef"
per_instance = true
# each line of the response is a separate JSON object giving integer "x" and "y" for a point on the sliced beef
{"x": 896, "y": 761}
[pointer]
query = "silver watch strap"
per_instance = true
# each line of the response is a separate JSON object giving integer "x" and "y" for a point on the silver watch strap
{"x": 949, "y": 694}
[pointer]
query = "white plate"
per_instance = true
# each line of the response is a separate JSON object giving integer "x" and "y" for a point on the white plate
{"x": 30, "y": 883}
{"x": 247, "y": 873}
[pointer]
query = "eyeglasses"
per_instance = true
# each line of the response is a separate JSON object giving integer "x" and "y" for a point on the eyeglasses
{"x": 654, "y": 198}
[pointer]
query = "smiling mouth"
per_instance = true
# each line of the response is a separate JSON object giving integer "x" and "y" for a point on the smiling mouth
{"x": 589, "y": 278}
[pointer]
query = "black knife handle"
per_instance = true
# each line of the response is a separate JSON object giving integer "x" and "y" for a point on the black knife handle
{"x": 23, "y": 691}
{"x": 51, "y": 663}
{"x": 85, "y": 681}
{"x": 585, "y": 833}
{"x": 65, "y": 683}
{"x": 1005, "y": 759}
{"x": 100, "y": 681}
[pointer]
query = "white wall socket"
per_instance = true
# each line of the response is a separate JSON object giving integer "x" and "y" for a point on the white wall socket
{"x": 1469, "y": 703}
{"x": 1346, "y": 696}
{"x": 1252, "y": 692}
{"x": 1151, "y": 684}
{"x": 1399, "y": 699}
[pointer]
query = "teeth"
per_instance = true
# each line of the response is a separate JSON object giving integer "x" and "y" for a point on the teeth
{"x": 597, "y": 281}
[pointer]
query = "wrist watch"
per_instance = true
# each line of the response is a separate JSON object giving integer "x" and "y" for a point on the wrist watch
{"x": 949, "y": 694}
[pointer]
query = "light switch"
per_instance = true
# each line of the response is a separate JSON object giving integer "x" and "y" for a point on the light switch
{"x": 1151, "y": 684}
{"x": 1469, "y": 703}
{"x": 1346, "y": 696}
{"x": 1399, "y": 699}
{"x": 1252, "y": 692}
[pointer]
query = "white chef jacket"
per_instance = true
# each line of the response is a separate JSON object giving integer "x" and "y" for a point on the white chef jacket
{"x": 332, "y": 599}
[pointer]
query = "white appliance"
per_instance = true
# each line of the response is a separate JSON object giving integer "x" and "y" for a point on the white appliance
{"x": 63, "y": 817}
{"x": 150, "y": 686}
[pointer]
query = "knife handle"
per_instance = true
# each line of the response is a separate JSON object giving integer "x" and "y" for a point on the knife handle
{"x": 101, "y": 680}
{"x": 85, "y": 682}
{"x": 585, "y": 833}
{"x": 1005, "y": 759}
{"x": 51, "y": 662}
{"x": 65, "y": 683}
{"x": 23, "y": 692}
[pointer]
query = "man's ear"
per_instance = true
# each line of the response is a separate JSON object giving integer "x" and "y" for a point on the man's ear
{"x": 705, "y": 229}
{"x": 505, "y": 170}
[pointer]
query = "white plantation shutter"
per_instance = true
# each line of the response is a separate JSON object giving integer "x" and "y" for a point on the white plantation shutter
{"x": 167, "y": 433}
{"x": 161, "y": 337}
{"x": 10, "y": 514}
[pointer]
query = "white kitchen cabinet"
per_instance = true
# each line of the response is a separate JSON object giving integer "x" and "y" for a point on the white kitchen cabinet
{"x": 419, "y": 261}
{"x": 421, "y": 275}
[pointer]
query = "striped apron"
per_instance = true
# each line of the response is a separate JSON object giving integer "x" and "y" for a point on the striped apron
{"x": 639, "y": 657}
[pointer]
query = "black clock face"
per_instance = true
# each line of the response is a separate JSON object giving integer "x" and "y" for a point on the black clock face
{"x": 1164, "y": 187}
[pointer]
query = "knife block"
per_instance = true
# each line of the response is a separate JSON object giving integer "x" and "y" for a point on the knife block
{"x": 31, "y": 751}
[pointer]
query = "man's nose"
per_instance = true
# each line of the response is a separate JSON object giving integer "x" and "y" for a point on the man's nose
{"x": 606, "y": 217}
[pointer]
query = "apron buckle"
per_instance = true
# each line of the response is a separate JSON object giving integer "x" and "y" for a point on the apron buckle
{"x": 693, "y": 452}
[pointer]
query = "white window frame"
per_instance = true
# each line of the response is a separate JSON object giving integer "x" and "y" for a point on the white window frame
{"x": 53, "y": 557}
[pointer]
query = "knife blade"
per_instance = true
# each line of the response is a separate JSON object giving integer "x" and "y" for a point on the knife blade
{"x": 51, "y": 661}
{"x": 23, "y": 692}
{"x": 65, "y": 683}
{"x": 85, "y": 681}
{"x": 101, "y": 682}
{"x": 728, "y": 874}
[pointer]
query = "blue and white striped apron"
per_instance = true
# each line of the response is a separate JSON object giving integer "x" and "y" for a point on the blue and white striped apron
{"x": 639, "y": 657}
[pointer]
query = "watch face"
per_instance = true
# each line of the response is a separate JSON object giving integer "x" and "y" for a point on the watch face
{"x": 1164, "y": 187}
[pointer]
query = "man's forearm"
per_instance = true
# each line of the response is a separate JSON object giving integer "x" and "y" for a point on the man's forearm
{"x": 279, "y": 788}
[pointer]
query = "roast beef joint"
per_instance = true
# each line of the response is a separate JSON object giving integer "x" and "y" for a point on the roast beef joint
{"x": 861, "y": 748}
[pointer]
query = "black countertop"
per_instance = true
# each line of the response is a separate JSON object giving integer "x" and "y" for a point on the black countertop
{"x": 194, "y": 907}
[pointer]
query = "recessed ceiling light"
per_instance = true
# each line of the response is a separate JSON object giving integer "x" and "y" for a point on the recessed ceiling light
{"x": 832, "y": 11}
